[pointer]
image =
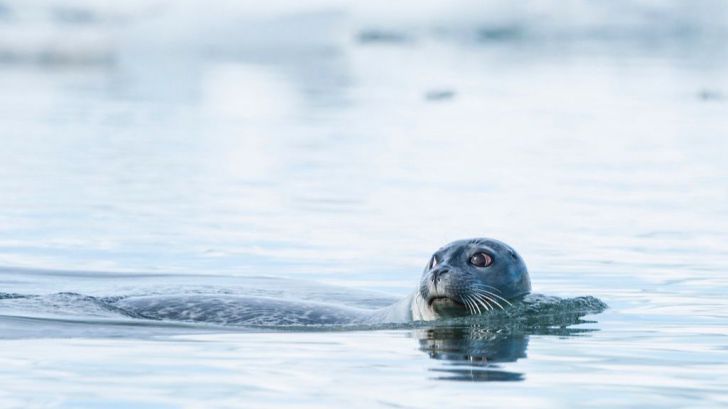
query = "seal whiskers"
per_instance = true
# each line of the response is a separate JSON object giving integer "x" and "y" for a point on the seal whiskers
{"x": 478, "y": 299}
{"x": 480, "y": 287}
{"x": 472, "y": 305}
{"x": 487, "y": 299}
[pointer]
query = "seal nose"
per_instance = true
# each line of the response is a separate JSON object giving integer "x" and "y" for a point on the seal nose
{"x": 437, "y": 274}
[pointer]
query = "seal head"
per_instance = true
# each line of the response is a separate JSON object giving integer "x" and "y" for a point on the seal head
{"x": 469, "y": 277}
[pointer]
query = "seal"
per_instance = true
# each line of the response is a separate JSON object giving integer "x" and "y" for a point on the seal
{"x": 465, "y": 277}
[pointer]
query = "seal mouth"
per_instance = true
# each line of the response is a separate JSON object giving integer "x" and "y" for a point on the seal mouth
{"x": 441, "y": 299}
{"x": 446, "y": 306}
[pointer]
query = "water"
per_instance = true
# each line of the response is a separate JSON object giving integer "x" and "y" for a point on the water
{"x": 142, "y": 153}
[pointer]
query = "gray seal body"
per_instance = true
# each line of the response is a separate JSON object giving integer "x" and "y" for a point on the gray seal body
{"x": 466, "y": 277}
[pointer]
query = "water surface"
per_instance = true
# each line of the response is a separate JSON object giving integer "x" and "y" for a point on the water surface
{"x": 346, "y": 160}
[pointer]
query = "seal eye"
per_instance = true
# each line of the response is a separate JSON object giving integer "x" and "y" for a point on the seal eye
{"x": 433, "y": 262}
{"x": 481, "y": 260}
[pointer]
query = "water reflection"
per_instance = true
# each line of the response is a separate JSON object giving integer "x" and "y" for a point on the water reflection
{"x": 475, "y": 352}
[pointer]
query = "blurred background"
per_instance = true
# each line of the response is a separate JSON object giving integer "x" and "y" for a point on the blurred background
{"x": 345, "y": 141}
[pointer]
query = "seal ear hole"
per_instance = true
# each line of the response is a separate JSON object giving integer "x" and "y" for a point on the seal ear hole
{"x": 513, "y": 254}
